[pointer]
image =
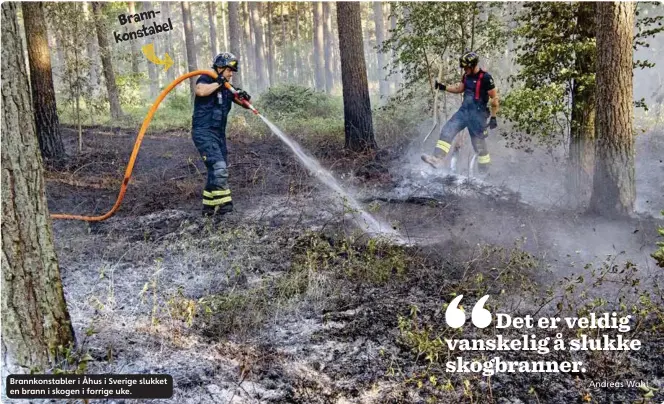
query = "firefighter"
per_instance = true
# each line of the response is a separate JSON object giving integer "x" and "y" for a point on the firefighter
{"x": 477, "y": 87}
{"x": 208, "y": 128}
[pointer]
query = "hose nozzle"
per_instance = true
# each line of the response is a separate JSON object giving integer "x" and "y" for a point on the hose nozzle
{"x": 244, "y": 102}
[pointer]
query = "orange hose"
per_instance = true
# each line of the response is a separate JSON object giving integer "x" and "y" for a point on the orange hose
{"x": 134, "y": 152}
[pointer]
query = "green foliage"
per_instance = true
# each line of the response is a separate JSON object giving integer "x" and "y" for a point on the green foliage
{"x": 71, "y": 32}
{"x": 429, "y": 33}
{"x": 659, "y": 254}
{"x": 179, "y": 101}
{"x": 555, "y": 38}
{"x": 298, "y": 111}
{"x": 557, "y": 56}
{"x": 397, "y": 122}
{"x": 169, "y": 116}
{"x": 297, "y": 102}
{"x": 556, "y": 52}
{"x": 371, "y": 261}
{"x": 315, "y": 129}
{"x": 73, "y": 360}
{"x": 648, "y": 24}
{"x": 420, "y": 338}
{"x": 130, "y": 88}
{"x": 539, "y": 113}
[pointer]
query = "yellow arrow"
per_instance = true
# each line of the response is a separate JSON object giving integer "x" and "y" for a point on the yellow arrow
{"x": 148, "y": 51}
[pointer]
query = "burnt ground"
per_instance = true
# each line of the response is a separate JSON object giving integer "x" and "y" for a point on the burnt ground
{"x": 285, "y": 301}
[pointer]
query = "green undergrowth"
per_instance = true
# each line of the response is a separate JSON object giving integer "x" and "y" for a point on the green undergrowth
{"x": 658, "y": 255}
{"x": 310, "y": 116}
{"x": 319, "y": 267}
{"x": 311, "y": 268}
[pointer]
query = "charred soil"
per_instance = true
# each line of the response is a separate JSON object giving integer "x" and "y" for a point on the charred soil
{"x": 284, "y": 301}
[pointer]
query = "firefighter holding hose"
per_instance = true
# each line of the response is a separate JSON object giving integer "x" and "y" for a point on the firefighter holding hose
{"x": 211, "y": 107}
{"x": 477, "y": 87}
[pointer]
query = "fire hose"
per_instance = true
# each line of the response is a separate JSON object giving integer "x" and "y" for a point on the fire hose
{"x": 139, "y": 140}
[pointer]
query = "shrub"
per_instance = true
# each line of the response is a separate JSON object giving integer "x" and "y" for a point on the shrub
{"x": 179, "y": 100}
{"x": 659, "y": 254}
{"x": 130, "y": 88}
{"x": 293, "y": 102}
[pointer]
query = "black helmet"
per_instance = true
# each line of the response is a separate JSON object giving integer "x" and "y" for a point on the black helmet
{"x": 469, "y": 59}
{"x": 225, "y": 59}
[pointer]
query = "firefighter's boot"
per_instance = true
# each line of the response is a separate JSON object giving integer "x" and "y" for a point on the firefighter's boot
{"x": 434, "y": 161}
{"x": 217, "y": 211}
{"x": 437, "y": 160}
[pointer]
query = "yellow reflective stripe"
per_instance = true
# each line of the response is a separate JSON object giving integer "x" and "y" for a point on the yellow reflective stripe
{"x": 212, "y": 194}
{"x": 215, "y": 202}
{"x": 484, "y": 159}
{"x": 444, "y": 146}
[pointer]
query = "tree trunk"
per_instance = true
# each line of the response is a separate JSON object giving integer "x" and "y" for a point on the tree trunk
{"x": 43, "y": 93}
{"x": 582, "y": 146}
{"x": 224, "y": 33}
{"x": 182, "y": 42}
{"x": 270, "y": 47}
{"x": 170, "y": 73}
{"x": 153, "y": 74}
{"x": 107, "y": 65}
{"x": 298, "y": 51}
{"x": 57, "y": 62}
{"x": 366, "y": 46}
{"x": 77, "y": 94}
{"x": 259, "y": 45}
{"x": 328, "y": 39}
{"x": 91, "y": 47}
{"x": 379, "y": 21}
{"x": 35, "y": 321}
{"x": 335, "y": 46}
{"x": 249, "y": 50}
{"x": 212, "y": 21}
{"x": 613, "y": 184}
{"x": 135, "y": 58}
{"x": 582, "y": 133}
{"x": 319, "y": 57}
{"x": 357, "y": 106}
{"x": 191, "y": 50}
{"x": 282, "y": 66}
{"x": 234, "y": 33}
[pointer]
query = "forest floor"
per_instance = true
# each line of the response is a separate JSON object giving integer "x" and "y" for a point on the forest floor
{"x": 285, "y": 301}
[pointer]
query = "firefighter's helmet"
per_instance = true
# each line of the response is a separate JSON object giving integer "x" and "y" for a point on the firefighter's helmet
{"x": 469, "y": 59}
{"x": 226, "y": 59}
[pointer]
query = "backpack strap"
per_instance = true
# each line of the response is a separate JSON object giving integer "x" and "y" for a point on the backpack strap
{"x": 478, "y": 84}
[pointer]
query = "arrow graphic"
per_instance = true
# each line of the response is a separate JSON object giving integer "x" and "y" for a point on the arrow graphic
{"x": 148, "y": 51}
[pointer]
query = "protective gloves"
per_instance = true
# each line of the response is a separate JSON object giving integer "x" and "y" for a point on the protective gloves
{"x": 440, "y": 86}
{"x": 243, "y": 94}
{"x": 493, "y": 124}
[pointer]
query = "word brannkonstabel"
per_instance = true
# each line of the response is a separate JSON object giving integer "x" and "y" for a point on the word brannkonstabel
{"x": 144, "y": 30}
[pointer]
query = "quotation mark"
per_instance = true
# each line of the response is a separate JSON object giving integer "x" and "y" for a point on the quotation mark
{"x": 480, "y": 317}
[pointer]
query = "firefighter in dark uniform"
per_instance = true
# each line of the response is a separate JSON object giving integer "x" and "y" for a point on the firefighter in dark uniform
{"x": 477, "y": 87}
{"x": 211, "y": 107}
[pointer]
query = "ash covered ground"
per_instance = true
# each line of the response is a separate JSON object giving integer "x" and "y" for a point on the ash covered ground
{"x": 285, "y": 301}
